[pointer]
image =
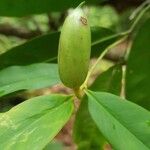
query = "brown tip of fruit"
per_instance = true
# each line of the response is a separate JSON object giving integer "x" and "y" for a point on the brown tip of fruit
{"x": 83, "y": 20}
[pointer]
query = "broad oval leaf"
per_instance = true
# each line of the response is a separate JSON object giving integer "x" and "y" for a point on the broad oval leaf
{"x": 45, "y": 48}
{"x": 125, "y": 124}
{"x": 33, "y": 123}
{"x": 30, "y": 77}
{"x": 138, "y": 68}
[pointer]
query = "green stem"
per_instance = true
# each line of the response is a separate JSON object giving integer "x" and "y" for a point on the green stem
{"x": 126, "y": 34}
{"x": 138, "y": 9}
{"x": 110, "y": 37}
{"x": 138, "y": 18}
{"x": 99, "y": 59}
{"x": 77, "y": 93}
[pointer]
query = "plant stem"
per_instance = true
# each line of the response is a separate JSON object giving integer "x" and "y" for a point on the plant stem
{"x": 126, "y": 34}
{"x": 99, "y": 59}
{"x": 138, "y": 18}
{"x": 77, "y": 93}
{"x": 110, "y": 37}
{"x": 138, "y": 9}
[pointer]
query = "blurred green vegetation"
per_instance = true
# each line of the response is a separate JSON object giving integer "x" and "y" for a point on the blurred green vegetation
{"x": 16, "y": 30}
{"x": 105, "y": 16}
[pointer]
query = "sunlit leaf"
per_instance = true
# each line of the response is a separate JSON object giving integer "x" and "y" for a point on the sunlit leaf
{"x": 124, "y": 124}
{"x": 33, "y": 123}
{"x": 28, "y": 77}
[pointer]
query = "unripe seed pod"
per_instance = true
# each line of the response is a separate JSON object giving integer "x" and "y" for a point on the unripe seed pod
{"x": 74, "y": 49}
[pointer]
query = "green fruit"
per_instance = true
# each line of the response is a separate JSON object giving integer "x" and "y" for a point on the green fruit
{"x": 74, "y": 49}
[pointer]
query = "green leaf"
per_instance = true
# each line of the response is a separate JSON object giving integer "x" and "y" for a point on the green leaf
{"x": 54, "y": 145}
{"x": 102, "y": 38}
{"x": 44, "y": 48}
{"x": 138, "y": 68}
{"x": 89, "y": 139}
{"x": 28, "y": 77}
{"x": 24, "y": 8}
{"x": 100, "y": 33}
{"x": 109, "y": 81}
{"x": 33, "y": 123}
{"x": 40, "y": 49}
{"x": 124, "y": 124}
{"x": 86, "y": 134}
